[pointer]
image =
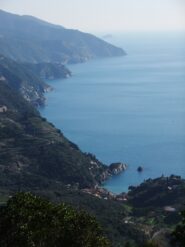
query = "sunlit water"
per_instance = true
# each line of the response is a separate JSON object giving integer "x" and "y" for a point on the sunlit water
{"x": 129, "y": 109}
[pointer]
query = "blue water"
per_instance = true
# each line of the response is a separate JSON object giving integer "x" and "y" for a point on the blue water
{"x": 129, "y": 109}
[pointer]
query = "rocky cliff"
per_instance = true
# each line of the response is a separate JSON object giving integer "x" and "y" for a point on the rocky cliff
{"x": 116, "y": 168}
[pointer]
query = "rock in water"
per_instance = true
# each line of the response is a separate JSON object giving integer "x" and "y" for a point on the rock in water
{"x": 116, "y": 168}
{"x": 140, "y": 169}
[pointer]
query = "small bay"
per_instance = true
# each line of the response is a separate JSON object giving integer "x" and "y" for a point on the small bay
{"x": 129, "y": 109}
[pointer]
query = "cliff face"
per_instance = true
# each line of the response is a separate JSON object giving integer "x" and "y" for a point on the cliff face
{"x": 29, "y": 39}
{"x": 116, "y": 168}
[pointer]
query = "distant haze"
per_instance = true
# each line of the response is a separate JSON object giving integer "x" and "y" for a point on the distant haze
{"x": 105, "y": 15}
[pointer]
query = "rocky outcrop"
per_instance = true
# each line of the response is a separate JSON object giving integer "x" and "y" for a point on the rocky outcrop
{"x": 116, "y": 168}
{"x": 112, "y": 170}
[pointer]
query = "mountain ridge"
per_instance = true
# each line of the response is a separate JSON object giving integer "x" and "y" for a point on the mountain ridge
{"x": 26, "y": 39}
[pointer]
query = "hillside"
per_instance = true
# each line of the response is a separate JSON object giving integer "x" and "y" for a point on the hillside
{"x": 48, "y": 71}
{"x": 27, "y": 79}
{"x": 28, "y": 39}
{"x": 30, "y": 146}
{"x": 22, "y": 80}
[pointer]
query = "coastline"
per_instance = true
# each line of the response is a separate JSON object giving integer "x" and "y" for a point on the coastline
{"x": 112, "y": 170}
{"x": 106, "y": 88}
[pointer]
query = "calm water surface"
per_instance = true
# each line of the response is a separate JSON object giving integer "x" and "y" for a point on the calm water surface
{"x": 129, "y": 109}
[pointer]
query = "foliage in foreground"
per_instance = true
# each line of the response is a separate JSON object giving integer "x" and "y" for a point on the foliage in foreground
{"x": 29, "y": 221}
{"x": 179, "y": 233}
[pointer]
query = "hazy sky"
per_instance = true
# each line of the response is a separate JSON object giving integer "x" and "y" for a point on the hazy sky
{"x": 105, "y": 15}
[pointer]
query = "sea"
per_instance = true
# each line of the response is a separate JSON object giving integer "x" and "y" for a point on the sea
{"x": 128, "y": 109}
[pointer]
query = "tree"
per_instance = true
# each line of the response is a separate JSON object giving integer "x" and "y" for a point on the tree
{"x": 30, "y": 221}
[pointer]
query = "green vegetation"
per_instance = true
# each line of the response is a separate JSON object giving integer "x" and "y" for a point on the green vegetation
{"x": 179, "y": 233}
{"x": 30, "y": 221}
{"x": 159, "y": 199}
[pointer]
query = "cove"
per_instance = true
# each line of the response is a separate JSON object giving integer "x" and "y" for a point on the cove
{"x": 129, "y": 109}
